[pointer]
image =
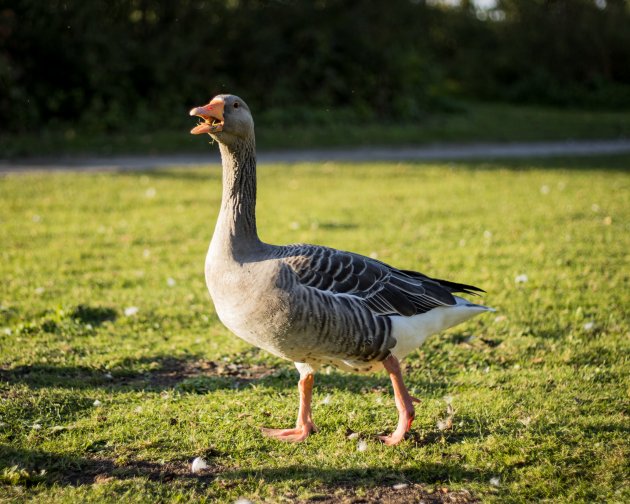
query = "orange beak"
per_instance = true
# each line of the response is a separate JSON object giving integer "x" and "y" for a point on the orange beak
{"x": 212, "y": 115}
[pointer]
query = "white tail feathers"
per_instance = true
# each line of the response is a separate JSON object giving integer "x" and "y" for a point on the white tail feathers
{"x": 411, "y": 332}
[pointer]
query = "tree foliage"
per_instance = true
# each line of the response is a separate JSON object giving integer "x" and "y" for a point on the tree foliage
{"x": 105, "y": 64}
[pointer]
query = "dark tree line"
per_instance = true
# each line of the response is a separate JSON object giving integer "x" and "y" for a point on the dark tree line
{"x": 107, "y": 64}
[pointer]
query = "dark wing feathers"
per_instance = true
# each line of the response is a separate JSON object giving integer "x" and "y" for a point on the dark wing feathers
{"x": 381, "y": 288}
{"x": 400, "y": 301}
{"x": 451, "y": 286}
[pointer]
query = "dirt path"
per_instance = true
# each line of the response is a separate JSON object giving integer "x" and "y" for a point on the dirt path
{"x": 441, "y": 152}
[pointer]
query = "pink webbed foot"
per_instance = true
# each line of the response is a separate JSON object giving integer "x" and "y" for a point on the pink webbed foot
{"x": 404, "y": 426}
{"x": 305, "y": 425}
{"x": 404, "y": 403}
{"x": 299, "y": 433}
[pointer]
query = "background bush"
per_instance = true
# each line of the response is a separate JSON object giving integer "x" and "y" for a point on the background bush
{"x": 131, "y": 64}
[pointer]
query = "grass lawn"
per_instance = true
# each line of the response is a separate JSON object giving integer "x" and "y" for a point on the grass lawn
{"x": 115, "y": 371}
{"x": 470, "y": 122}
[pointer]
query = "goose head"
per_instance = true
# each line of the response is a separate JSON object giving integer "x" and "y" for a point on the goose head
{"x": 226, "y": 118}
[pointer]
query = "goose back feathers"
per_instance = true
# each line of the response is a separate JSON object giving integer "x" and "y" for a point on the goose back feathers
{"x": 343, "y": 303}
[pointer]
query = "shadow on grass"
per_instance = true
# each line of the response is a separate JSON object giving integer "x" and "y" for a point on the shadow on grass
{"x": 37, "y": 467}
{"x": 193, "y": 374}
{"x": 95, "y": 315}
{"x": 31, "y": 467}
{"x": 428, "y": 472}
{"x": 153, "y": 373}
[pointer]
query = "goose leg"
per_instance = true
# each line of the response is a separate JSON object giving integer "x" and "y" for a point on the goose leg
{"x": 304, "y": 425}
{"x": 404, "y": 402}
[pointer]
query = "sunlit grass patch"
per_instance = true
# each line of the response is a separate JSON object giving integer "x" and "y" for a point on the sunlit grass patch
{"x": 115, "y": 372}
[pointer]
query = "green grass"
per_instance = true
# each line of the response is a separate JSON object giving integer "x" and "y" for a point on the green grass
{"x": 539, "y": 389}
{"x": 471, "y": 122}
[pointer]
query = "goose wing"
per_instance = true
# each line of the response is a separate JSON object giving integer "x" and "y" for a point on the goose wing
{"x": 381, "y": 288}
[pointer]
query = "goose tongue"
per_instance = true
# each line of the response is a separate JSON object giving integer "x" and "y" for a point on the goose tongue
{"x": 212, "y": 115}
{"x": 201, "y": 128}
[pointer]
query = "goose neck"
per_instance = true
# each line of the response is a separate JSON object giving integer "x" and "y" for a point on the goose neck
{"x": 236, "y": 226}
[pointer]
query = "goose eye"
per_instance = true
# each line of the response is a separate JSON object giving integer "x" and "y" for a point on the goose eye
{"x": 235, "y": 104}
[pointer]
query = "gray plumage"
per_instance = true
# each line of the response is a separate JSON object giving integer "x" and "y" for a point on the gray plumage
{"x": 308, "y": 303}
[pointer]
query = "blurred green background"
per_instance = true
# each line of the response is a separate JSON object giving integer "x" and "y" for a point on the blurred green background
{"x": 74, "y": 68}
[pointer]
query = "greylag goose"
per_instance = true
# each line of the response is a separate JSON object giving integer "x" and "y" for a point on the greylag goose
{"x": 311, "y": 304}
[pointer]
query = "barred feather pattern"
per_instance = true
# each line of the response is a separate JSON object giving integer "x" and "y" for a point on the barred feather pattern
{"x": 342, "y": 301}
{"x": 332, "y": 327}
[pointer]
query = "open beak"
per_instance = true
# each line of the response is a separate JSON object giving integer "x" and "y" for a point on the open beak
{"x": 211, "y": 115}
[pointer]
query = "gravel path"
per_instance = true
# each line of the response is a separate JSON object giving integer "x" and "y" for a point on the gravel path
{"x": 442, "y": 152}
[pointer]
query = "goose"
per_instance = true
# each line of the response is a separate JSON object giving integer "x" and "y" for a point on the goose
{"x": 311, "y": 304}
